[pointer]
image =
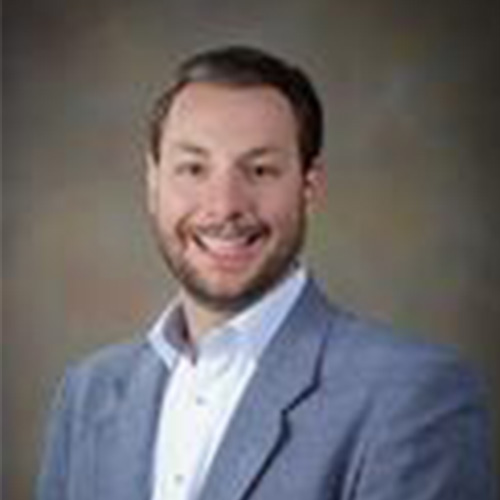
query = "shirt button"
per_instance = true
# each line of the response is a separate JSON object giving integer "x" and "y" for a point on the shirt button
{"x": 200, "y": 401}
{"x": 178, "y": 479}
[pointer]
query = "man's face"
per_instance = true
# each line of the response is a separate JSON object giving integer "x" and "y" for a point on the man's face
{"x": 228, "y": 196}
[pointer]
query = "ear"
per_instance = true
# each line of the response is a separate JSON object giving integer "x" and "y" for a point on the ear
{"x": 152, "y": 181}
{"x": 315, "y": 184}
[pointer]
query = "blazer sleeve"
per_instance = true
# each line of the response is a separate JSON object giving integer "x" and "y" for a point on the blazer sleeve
{"x": 55, "y": 461}
{"x": 429, "y": 440}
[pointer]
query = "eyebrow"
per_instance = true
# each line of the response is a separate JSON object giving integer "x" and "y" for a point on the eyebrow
{"x": 188, "y": 147}
{"x": 257, "y": 152}
{"x": 251, "y": 154}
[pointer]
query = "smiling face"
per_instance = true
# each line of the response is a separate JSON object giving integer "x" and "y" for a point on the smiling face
{"x": 228, "y": 196}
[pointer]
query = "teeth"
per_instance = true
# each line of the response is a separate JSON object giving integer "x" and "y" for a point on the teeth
{"x": 226, "y": 245}
{"x": 223, "y": 244}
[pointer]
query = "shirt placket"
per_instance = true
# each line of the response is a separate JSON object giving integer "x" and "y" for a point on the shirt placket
{"x": 189, "y": 433}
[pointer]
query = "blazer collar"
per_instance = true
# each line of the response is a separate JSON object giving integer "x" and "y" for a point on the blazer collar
{"x": 287, "y": 374}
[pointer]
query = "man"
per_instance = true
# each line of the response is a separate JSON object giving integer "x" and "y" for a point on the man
{"x": 251, "y": 385}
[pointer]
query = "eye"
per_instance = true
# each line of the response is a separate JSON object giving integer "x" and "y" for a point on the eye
{"x": 190, "y": 169}
{"x": 264, "y": 171}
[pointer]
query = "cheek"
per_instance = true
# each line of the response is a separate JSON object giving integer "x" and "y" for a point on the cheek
{"x": 284, "y": 217}
{"x": 285, "y": 203}
{"x": 169, "y": 211}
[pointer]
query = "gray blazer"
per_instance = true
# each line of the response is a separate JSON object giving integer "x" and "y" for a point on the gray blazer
{"x": 337, "y": 410}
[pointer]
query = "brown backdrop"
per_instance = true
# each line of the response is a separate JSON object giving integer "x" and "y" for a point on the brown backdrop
{"x": 411, "y": 230}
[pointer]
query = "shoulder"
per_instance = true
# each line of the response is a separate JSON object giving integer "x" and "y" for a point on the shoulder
{"x": 391, "y": 370}
{"x": 366, "y": 353}
{"x": 95, "y": 383}
{"x": 360, "y": 338}
{"x": 402, "y": 412}
{"x": 112, "y": 361}
{"x": 406, "y": 399}
{"x": 376, "y": 345}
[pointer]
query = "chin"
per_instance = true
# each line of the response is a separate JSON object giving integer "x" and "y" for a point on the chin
{"x": 233, "y": 295}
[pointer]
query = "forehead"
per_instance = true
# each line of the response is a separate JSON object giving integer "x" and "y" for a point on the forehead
{"x": 246, "y": 111}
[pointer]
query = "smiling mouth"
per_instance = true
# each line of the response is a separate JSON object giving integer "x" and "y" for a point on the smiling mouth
{"x": 233, "y": 245}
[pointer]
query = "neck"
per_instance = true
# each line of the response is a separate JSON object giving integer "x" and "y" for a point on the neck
{"x": 200, "y": 319}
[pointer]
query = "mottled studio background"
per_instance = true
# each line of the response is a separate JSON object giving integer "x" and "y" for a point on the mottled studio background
{"x": 411, "y": 230}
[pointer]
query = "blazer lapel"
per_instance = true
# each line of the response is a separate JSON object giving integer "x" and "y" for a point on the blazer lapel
{"x": 285, "y": 376}
{"x": 125, "y": 440}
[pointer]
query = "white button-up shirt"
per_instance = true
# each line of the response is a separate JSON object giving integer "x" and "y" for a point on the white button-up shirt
{"x": 204, "y": 390}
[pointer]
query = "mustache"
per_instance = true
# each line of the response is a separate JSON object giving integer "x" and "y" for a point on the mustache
{"x": 231, "y": 229}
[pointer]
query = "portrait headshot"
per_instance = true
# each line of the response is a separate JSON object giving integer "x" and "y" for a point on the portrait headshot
{"x": 245, "y": 262}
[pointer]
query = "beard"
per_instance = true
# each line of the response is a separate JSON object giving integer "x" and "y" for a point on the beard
{"x": 272, "y": 268}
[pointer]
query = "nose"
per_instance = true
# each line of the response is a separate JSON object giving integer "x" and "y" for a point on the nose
{"x": 227, "y": 195}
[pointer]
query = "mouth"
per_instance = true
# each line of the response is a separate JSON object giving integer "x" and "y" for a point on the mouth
{"x": 230, "y": 247}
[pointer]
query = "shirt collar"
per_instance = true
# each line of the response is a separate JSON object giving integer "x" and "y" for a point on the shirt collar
{"x": 248, "y": 332}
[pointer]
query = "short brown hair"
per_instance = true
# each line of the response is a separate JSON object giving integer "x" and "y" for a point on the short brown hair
{"x": 246, "y": 66}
